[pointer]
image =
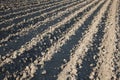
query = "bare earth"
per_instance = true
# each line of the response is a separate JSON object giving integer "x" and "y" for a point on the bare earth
{"x": 59, "y": 39}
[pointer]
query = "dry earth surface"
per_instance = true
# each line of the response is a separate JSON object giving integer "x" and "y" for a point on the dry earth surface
{"x": 59, "y": 39}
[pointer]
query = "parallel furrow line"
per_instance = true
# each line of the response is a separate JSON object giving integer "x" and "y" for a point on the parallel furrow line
{"x": 32, "y": 14}
{"x": 56, "y": 46}
{"x": 105, "y": 65}
{"x": 8, "y": 28}
{"x": 21, "y": 8}
{"x": 29, "y": 10}
{"x": 69, "y": 71}
{"x": 39, "y": 27}
{"x": 83, "y": 19}
{"x": 39, "y": 37}
{"x": 18, "y": 28}
{"x": 90, "y": 59}
{"x": 47, "y": 20}
{"x": 117, "y": 53}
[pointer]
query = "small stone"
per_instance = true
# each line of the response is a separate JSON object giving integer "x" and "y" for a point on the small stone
{"x": 94, "y": 57}
{"x": 3, "y": 57}
{"x": 91, "y": 77}
{"x": 42, "y": 53}
{"x": 65, "y": 60}
{"x": 44, "y": 72}
{"x": 80, "y": 66}
{"x": 62, "y": 67}
{"x": 91, "y": 65}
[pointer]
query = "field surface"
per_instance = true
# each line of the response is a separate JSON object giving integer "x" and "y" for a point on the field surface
{"x": 59, "y": 39}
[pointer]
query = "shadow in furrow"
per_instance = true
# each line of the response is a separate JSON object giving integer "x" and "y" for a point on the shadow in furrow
{"x": 29, "y": 56}
{"x": 24, "y": 8}
{"x": 16, "y": 21}
{"x": 53, "y": 67}
{"x": 16, "y": 42}
{"x": 90, "y": 60}
{"x": 17, "y": 28}
{"x": 117, "y": 53}
{"x": 32, "y": 10}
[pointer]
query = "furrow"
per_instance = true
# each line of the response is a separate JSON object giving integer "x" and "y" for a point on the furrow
{"x": 55, "y": 48}
{"x": 32, "y": 14}
{"x": 31, "y": 24}
{"x": 30, "y": 20}
{"x": 105, "y": 65}
{"x": 25, "y": 7}
{"x": 38, "y": 37}
{"x": 14, "y": 28}
{"x": 117, "y": 53}
{"x": 29, "y": 10}
{"x": 89, "y": 61}
{"x": 25, "y": 36}
{"x": 69, "y": 71}
{"x": 29, "y": 45}
{"x": 28, "y": 52}
{"x": 11, "y": 7}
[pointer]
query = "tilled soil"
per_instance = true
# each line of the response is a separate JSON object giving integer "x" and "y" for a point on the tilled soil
{"x": 60, "y": 40}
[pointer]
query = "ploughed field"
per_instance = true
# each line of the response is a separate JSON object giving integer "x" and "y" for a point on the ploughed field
{"x": 59, "y": 39}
